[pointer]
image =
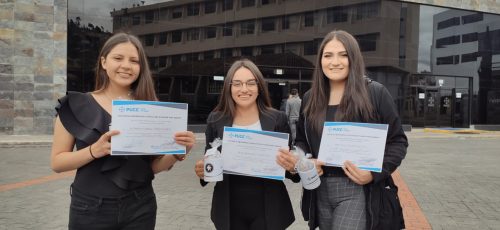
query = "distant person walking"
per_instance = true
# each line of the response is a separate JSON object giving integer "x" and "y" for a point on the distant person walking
{"x": 292, "y": 111}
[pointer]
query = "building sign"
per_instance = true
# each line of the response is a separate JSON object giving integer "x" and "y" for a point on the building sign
{"x": 446, "y": 102}
{"x": 430, "y": 102}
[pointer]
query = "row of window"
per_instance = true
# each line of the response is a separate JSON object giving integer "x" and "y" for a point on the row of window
{"x": 455, "y": 39}
{"x": 249, "y": 27}
{"x": 333, "y": 14}
{"x": 194, "y": 9}
{"x": 455, "y": 21}
{"x": 455, "y": 59}
{"x": 309, "y": 48}
{"x": 367, "y": 42}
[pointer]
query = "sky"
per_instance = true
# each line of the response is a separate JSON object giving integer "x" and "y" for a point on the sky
{"x": 425, "y": 36}
{"x": 98, "y": 12}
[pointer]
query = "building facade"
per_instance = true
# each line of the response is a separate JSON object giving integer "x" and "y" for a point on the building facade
{"x": 191, "y": 44}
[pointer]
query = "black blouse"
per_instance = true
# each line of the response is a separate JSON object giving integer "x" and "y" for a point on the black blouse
{"x": 109, "y": 176}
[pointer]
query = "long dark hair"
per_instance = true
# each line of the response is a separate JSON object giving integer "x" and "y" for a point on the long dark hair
{"x": 143, "y": 87}
{"x": 355, "y": 104}
{"x": 226, "y": 103}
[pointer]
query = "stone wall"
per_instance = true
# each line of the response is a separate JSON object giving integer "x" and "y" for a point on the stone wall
{"x": 489, "y": 6}
{"x": 32, "y": 64}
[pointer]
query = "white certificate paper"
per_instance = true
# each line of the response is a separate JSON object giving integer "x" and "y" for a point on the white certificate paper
{"x": 147, "y": 127}
{"x": 252, "y": 152}
{"x": 361, "y": 143}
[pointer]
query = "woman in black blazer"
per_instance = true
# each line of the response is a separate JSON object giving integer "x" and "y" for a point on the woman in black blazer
{"x": 241, "y": 202}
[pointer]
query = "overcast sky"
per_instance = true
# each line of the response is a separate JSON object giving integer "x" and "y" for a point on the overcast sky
{"x": 97, "y": 12}
{"x": 425, "y": 36}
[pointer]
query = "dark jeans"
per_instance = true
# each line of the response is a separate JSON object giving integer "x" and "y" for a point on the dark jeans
{"x": 135, "y": 210}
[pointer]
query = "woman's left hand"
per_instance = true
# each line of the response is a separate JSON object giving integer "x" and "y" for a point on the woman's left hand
{"x": 185, "y": 138}
{"x": 357, "y": 175}
{"x": 286, "y": 159}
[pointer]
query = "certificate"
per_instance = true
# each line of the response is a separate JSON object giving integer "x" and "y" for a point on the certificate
{"x": 252, "y": 152}
{"x": 147, "y": 127}
{"x": 361, "y": 143}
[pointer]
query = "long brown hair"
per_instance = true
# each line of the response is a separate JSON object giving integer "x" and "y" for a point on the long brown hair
{"x": 355, "y": 104}
{"x": 226, "y": 103}
{"x": 143, "y": 87}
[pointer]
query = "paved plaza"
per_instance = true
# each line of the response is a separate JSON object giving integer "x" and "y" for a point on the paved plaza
{"x": 453, "y": 177}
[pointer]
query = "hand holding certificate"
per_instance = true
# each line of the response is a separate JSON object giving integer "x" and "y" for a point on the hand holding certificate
{"x": 147, "y": 127}
{"x": 252, "y": 152}
{"x": 361, "y": 143}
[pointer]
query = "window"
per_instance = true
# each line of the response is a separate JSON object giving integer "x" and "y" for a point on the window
{"x": 227, "y": 30}
{"x": 207, "y": 55}
{"x": 247, "y": 51}
{"x": 162, "y": 38}
{"x": 150, "y": 17}
{"x": 267, "y": 49}
{"x": 247, "y": 27}
{"x": 309, "y": 19}
{"x": 285, "y": 22}
{"x": 227, "y": 5}
{"x": 267, "y": 24}
{"x": 188, "y": 84}
{"x": 310, "y": 48}
{"x": 193, "y": 9}
{"x": 193, "y": 34}
{"x": 163, "y": 14}
{"x": 136, "y": 20}
{"x": 227, "y": 53}
{"x": 472, "y": 18}
{"x": 176, "y": 36}
{"x": 471, "y": 37}
{"x": 162, "y": 61}
{"x": 247, "y": 3}
{"x": 367, "y": 42}
{"x": 152, "y": 62}
{"x": 448, "y": 60}
{"x": 366, "y": 10}
{"x": 177, "y": 12}
{"x": 470, "y": 57}
{"x": 210, "y": 32}
{"x": 192, "y": 57}
{"x": 215, "y": 87}
{"x": 175, "y": 59}
{"x": 266, "y": 2}
{"x": 448, "y": 23}
{"x": 149, "y": 40}
{"x": 336, "y": 14}
{"x": 210, "y": 7}
{"x": 451, "y": 40}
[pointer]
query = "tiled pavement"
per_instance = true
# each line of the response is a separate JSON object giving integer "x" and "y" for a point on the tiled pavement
{"x": 450, "y": 182}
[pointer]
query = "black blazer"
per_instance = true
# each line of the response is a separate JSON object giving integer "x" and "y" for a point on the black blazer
{"x": 278, "y": 208}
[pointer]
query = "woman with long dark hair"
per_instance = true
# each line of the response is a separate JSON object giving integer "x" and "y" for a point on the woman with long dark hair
{"x": 241, "y": 202}
{"x": 109, "y": 192}
{"x": 348, "y": 197}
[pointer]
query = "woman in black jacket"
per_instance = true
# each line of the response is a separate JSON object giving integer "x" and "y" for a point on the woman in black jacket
{"x": 349, "y": 197}
{"x": 241, "y": 202}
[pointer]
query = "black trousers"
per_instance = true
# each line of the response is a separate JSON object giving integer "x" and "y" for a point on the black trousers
{"x": 135, "y": 210}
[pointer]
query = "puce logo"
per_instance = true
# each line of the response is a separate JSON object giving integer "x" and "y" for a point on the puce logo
{"x": 131, "y": 109}
{"x": 337, "y": 129}
{"x": 240, "y": 136}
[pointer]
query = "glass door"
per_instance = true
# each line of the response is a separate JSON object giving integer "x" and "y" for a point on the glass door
{"x": 431, "y": 105}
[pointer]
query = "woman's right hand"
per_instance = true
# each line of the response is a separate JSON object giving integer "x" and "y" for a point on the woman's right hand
{"x": 199, "y": 170}
{"x": 102, "y": 147}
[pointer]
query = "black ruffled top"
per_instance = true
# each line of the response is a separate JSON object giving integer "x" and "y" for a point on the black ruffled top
{"x": 108, "y": 176}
